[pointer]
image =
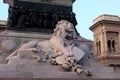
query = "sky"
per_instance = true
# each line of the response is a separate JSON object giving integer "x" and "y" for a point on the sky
{"x": 86, "y": 11}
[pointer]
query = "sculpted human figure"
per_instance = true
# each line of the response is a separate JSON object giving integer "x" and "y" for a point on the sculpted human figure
{"x": 40, "y": 19}
{"x": 12, "y": 16}
{"x": 59, "y": 50}
{"x": 22, "y": 21}
{"x": 46, "y": 19}
{"x": 54, "y": 18}
{"x": 66, "y": 16}
{"x": 61, "y": 15}
{"x": 33, "y": 19}
{"x": 9, "y": 23}
{"x": 73, "y": 19}
{"x": 16, "y": 15}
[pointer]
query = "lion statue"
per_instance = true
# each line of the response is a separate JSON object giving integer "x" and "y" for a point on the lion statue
{"x": 59, "y": 50}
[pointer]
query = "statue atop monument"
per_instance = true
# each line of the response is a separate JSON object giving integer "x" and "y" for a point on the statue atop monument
{"x": 39, "y": 15}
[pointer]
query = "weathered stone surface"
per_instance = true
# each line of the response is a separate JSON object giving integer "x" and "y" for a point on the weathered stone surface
{"x": 8, "y": 44}
{"x": 84, "y": 47}
{"x": 18, "y": 61}
{"x": 7, "y": 68}
{"x": 44, "y": 70}
{"x": 2, "y": 59}
{"x": 24, "y": 35}
{"x": 18, "y": 38}
{"x": 41, "y": 71}
{"x": 25, "y": 68}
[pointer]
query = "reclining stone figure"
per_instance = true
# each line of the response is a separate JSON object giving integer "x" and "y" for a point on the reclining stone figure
{"x": 59, "y": 50}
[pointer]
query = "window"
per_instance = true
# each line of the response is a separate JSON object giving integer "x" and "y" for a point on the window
{"x": 113, "y": 38}
{"x": 111, "y": 45}
{"x": 98, "y": 46}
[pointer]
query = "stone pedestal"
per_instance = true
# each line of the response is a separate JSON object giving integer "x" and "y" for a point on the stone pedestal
{"x": 38, "y": 15}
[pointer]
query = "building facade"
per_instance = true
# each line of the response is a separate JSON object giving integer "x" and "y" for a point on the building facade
{"x": 3, "y": 25}
{"x": 106, "y": 30}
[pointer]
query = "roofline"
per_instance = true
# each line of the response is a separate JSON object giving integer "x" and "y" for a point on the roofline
{"x": 3, "y": 20}
{"x": 104, "y": 21}
{"x": 105, "y": 15}
{"x": 4, "y": 23}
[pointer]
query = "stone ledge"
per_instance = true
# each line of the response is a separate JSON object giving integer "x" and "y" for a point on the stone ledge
{"x": 26, "y": 35}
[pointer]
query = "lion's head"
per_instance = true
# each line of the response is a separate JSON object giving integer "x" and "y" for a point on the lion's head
{"x": 65, "y": 29}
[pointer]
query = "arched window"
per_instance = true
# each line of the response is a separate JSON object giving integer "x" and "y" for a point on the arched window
{"x": 109, "y": 45}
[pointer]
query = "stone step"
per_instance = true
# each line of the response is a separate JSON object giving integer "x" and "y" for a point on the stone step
{"x": 55, "y": 74}
{"x": 16, "y": 61}
{"x": 28, "y": 67}
{"x": 102, "y": 72}
{"x": 36, "y": 71}
{"x": 102, "y": 69}
{"x": 12, "y": 74}
{"x": 42, "y": 67}
{"x": 46, "y": 70}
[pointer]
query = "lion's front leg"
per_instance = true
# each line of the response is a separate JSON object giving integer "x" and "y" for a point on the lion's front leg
{"x": 11, "y": 55}
{"x": 60, "y": 45}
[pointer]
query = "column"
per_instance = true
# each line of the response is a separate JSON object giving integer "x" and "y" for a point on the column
{"x": 102, "y": 43}
{"x": 105, "y": 43}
